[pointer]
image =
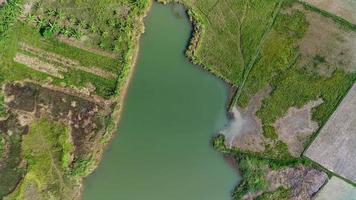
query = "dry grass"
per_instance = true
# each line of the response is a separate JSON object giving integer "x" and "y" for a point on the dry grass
{"x": 334, "y": 48}
{"x": 341, "y": 8}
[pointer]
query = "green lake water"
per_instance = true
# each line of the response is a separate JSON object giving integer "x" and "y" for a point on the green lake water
{"x": 173, "y": 108}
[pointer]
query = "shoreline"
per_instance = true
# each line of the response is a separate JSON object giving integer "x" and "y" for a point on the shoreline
{"x": 115, "y": 118}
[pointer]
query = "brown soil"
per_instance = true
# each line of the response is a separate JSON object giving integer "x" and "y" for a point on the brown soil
{"x": 326, "y": 46}
{"x": 38, "y": 65}
{"x": 304, "y": 182}
{"x": 297, "y": 126}
{"x": 84, "y": 117}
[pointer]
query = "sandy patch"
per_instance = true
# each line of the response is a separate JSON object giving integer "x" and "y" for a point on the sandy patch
{"x": 296, "y": 126}
{"x": 341, "y": 8}
{"x": 334, "y": 147}
{"x": 327, "y": 46}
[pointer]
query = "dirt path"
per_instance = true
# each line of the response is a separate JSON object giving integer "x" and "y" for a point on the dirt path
{"x": 54, "y": 166}
{"x": 83, "y": 47}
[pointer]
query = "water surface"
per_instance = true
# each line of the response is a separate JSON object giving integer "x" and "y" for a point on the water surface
{"x": 173, "y": 108}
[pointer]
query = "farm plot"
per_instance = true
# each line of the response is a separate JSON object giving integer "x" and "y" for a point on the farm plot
{"x": 334, "y": 147}
{"x": 31, "y": 57}
{"x": 341, "y": 8}
{"x": 334, "y": 48}
{"x": 337, "y": 189}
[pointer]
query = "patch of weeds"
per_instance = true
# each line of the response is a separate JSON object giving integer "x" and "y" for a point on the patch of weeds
{"x": 278, "y": 54}
{"x": 270, "y": 132}
{"x": 81, "y": 167}
{"x": 279, "y": 194}
{"x": 253, "y": 171}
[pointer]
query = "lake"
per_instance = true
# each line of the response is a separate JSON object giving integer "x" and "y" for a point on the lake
{"x": 162, "y": 150}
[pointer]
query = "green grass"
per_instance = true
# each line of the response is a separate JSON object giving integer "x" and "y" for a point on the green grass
{"x": 229, "y": 34}
{"x": 47, "y": 149}
{"x": 277, "y": 55}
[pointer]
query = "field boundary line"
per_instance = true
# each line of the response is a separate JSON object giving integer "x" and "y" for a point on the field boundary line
{"x": 247, "y": 69}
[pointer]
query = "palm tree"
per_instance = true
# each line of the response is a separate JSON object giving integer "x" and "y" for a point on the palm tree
{"x": 65, "y": 31}
{"x": 54, "y": 27}
{"x": 31, "y": 18}
{"x": 82, "y": 24}
{"x": 41, "y": 22}
{"x": 77, "y": 34}
{"x": 60, "y": 14}
{"x": 51, "y": 13}
{"x": 93, "y": 28}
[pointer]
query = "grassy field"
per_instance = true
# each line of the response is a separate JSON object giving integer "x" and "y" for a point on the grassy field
{"x": 228, "y": 34}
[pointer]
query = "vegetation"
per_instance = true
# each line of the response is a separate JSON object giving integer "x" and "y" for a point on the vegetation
{"x": 264, "y": 54}
{"x": 8, "y": 14}
{"x": 83, "y": 45}
{"x": 46, "y": 149}
{"x": 107, "y": 27}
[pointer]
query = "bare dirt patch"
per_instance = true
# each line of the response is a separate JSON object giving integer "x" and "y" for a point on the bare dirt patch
{"x": 304, "y": 182}
{"x": 334, "y": 147}
{"x": 342, "y": 8}
{"x": 337, "y": 189}
{"x": 38, "y": 65}
{"x": 327, "y": 46}
{"x": 245, "y": 128}
{"x": 297, "y": 126}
